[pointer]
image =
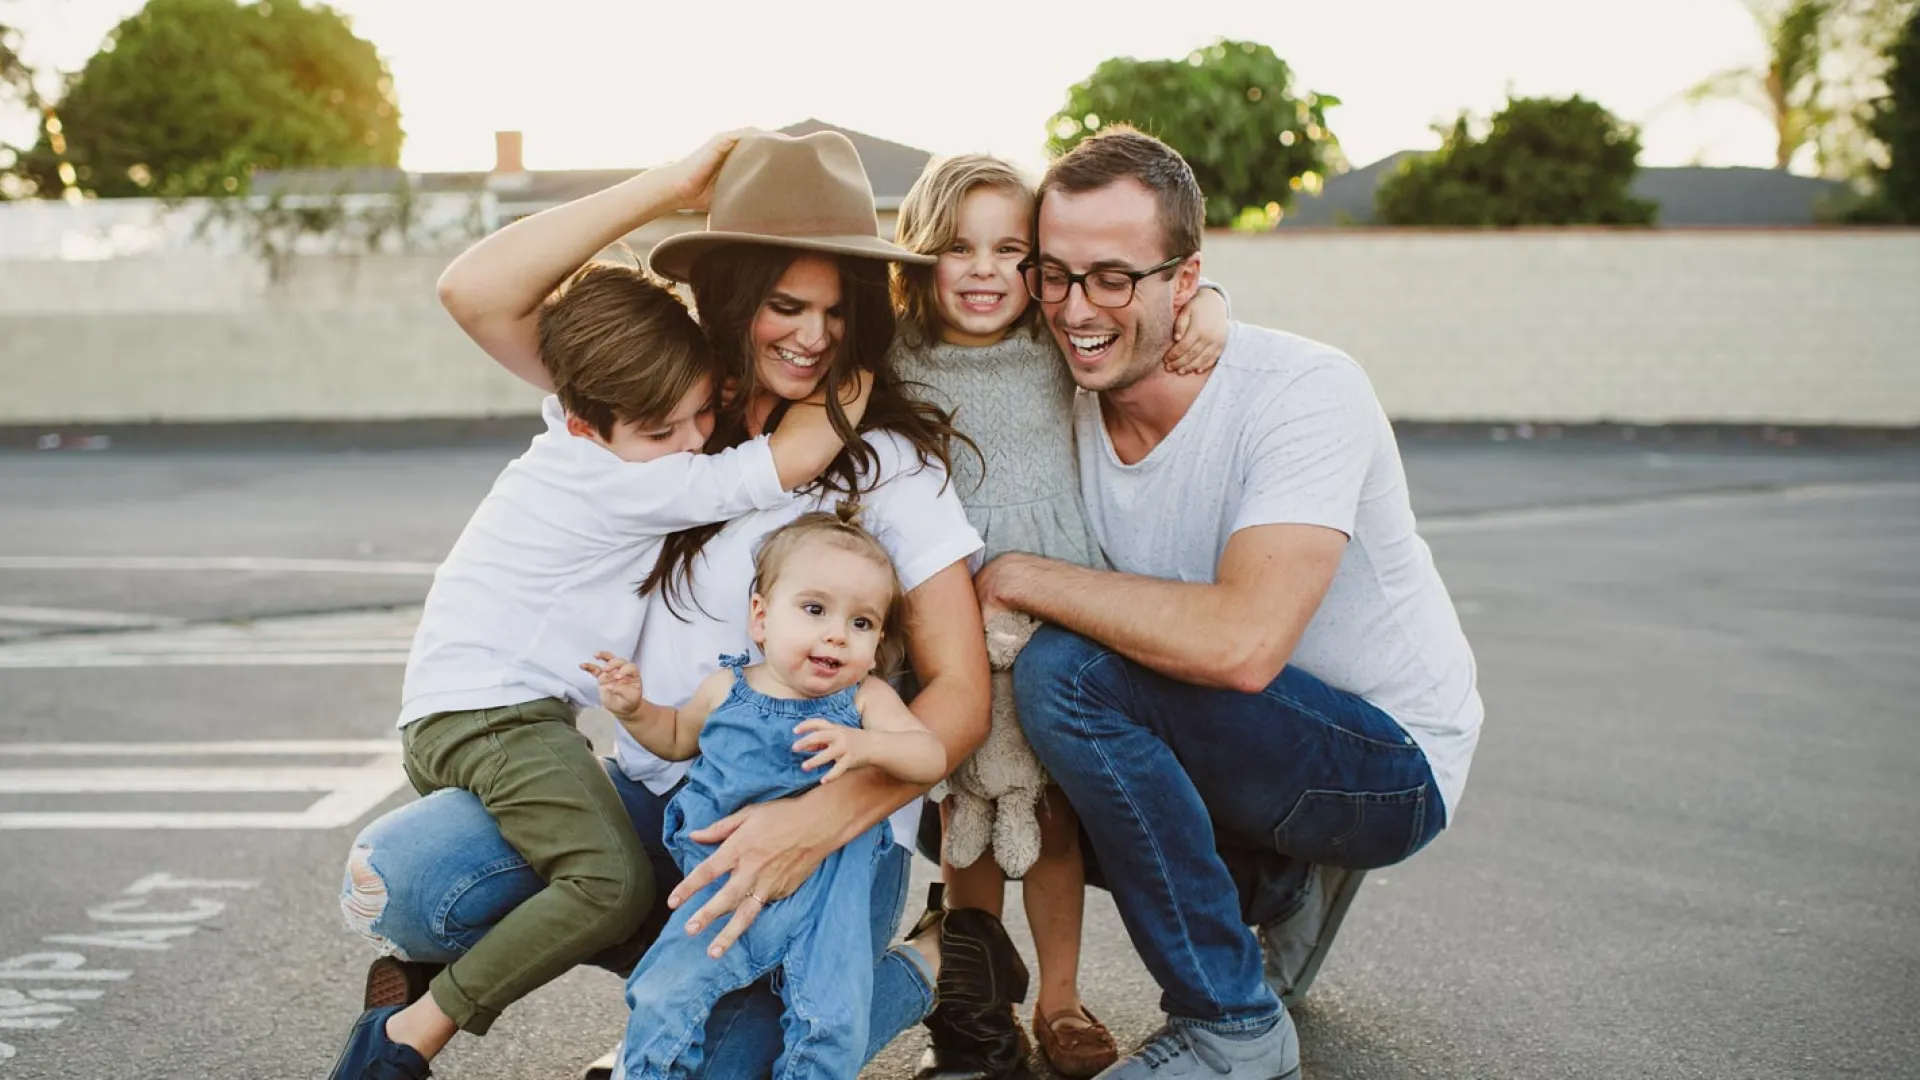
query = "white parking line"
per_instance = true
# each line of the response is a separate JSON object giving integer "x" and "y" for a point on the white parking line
{"x": 1524, "y": 517}
{"x": 293, "y": 747}
{"x": 253, "y": 564}
{"x": 47, "y": 616}
{"x": 351, "y": 638}
{"x": 348, "y": 792}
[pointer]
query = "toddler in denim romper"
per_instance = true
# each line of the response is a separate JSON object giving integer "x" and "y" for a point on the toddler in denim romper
{"x": 825, "y": 604}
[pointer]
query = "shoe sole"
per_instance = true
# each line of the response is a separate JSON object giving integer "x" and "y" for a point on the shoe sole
{"x": 602, "y": 1067}
{"x": 391, "y": 981}
{"x": 1336, "y": 914}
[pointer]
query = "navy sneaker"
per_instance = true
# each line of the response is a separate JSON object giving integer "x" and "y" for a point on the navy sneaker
{"x": 370, "y": 1055}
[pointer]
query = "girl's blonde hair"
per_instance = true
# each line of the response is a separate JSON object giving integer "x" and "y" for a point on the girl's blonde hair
{"x": 929, "y": 220}
{"x": 840, "y": 528}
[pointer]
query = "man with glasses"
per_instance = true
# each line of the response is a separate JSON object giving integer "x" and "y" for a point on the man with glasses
{"x": 1270, "y": 691}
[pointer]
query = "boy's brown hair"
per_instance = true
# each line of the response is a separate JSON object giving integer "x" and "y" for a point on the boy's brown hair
{"x": 929, "y": 219}
{"x": 1122, "y": 153}
{"x": 619, "y": 345}
{"x": 841, "y": 528}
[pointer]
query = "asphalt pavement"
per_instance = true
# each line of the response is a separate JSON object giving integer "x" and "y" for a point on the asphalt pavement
{"x": 1687, "y": 848}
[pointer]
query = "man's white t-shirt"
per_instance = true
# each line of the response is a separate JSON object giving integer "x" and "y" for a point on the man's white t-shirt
{"x": 910, "y": 509}
{"x": 1288, "y": 431}
{"x": 545, "y": 573}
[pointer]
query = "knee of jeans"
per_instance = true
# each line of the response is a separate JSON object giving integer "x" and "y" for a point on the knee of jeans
{"x": 363, "y": 898}
{"x": 1054, "y": 667}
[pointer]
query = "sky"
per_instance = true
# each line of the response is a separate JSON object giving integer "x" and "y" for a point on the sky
{"x": 619, "y": 83}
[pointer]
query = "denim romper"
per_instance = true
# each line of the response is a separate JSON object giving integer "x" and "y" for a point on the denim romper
{"x": 817, "y": 943}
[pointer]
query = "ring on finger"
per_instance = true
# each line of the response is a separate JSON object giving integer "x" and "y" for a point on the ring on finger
{"x": 763, "y": 900}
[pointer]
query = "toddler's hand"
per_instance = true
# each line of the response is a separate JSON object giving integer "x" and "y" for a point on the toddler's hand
{"x": 619, "y": 683}
{"x": 1199, "y": 334}
{"x": 827, "y": 741}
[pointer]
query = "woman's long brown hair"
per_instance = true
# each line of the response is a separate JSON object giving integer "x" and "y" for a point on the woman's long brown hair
{"x": 729, "y": 286}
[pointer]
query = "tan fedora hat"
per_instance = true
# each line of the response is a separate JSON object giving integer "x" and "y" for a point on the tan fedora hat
{"x": 808, "y": 192}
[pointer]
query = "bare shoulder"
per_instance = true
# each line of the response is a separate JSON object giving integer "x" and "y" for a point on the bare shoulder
{"x": 712, "y": 689}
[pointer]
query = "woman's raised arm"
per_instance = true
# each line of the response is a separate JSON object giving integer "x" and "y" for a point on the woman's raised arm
{"x": 495, "y": 288}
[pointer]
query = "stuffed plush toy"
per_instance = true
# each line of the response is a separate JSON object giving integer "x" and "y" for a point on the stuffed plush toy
{"x": 995, "y": 794}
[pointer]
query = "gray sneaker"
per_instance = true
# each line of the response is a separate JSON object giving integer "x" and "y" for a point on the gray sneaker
{"x": 1182, "y": 1049}
{"x": 1295, "y": 946}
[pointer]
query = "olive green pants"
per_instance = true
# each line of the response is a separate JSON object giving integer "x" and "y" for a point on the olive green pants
{"x": 537, "y": 775}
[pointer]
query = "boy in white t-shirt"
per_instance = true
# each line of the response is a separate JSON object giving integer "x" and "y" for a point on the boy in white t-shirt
{"x": 542, "y": 578}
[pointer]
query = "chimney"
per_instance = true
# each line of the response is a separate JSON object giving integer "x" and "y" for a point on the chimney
{"x": 506, "y": 153}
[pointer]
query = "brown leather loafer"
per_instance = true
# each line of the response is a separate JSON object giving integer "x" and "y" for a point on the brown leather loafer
{"x": 1076, "y": 1050}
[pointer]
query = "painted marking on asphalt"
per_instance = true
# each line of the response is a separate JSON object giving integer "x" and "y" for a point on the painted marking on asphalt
{"x": 43, "y": 1008}
{"x": 341, "y": 639}
{"x": 1496, "y": 520}
{"x": 248, "y": 564}
{"x": 347, "y": 793}
{"x": 47, "y": 616}
{"x": 294, "y": 747}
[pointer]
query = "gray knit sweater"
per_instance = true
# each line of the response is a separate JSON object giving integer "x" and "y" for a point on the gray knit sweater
{"x": 1015, "y": 400}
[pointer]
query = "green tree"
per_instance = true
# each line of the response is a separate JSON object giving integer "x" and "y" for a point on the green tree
{"x": 1541, "y": 161}
{"x": 16, "y": 80}
{"x": 1230, "y": 109}
{"x": 1896, "y": 123}
{"x": 187, "y": 96}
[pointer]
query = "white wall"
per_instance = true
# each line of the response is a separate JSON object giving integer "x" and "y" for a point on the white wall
{"x": 1656, "y": 326}
{"x": 1813, "y": 327}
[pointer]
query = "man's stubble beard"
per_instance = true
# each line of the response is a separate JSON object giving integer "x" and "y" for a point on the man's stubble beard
{"x": 1153, "y": 336}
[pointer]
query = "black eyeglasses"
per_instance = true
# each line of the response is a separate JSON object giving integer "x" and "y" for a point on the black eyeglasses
{"x": 1106, "y": 288}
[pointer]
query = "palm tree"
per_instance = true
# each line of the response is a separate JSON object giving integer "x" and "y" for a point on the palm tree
{"x": 1789, "y": 89}
{"x": 1821, "y": 71}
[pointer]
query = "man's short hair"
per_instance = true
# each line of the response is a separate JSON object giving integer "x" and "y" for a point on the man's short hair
{"x": 1122, "y": 153}
{"x": 619, "y": 345}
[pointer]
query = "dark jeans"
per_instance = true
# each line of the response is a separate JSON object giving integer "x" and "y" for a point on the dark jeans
{"x": 1205, "y": 809}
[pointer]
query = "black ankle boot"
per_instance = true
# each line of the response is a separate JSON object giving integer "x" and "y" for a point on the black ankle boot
{"x": 975, "y": 1034}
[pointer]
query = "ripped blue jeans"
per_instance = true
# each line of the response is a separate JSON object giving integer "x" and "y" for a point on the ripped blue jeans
{"x": 427, "y": 879}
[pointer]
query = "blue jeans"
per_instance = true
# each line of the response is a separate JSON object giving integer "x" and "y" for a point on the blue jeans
{"x": 428, "y": 879}
{"x": 805, "y": 942}
{"x": 1205, "y": 809}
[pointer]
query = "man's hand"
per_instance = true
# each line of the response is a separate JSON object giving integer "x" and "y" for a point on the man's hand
{"x": 996, "y": 584}
{"x": 619, "y": 683}
{"x": 837, "y": 744}
{"x": 766, "y": 852}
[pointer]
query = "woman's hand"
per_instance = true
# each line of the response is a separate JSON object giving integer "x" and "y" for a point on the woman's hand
{"x": 767, "y": 851}
{"x": 1199, "y": 334}
{"x": 693, "y": 175}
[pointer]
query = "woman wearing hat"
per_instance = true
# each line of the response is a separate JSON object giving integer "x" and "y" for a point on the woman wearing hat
{"x": 790, "y": 280}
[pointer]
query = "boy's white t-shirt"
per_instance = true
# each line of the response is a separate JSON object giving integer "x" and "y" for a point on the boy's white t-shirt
{"x": 1288, "y": 431}
{"x": 910, "y": 509}
{"x": 545, "y": 573}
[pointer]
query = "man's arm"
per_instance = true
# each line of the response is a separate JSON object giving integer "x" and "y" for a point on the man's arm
{"x": 1237, "y": 633}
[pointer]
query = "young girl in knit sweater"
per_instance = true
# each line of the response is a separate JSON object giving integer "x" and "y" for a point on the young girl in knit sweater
{"x": 968, "y": 340}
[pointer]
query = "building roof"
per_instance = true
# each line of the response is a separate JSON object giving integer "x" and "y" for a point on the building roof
{"x": 1689, "y": 195}
{"x": 891, "y": 168}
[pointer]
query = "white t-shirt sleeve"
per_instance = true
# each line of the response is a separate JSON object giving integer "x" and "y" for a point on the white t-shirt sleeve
{"x": 680, "y": 491}
{"x": 916, "y": 515}
{"x": 1308, "y": 463}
